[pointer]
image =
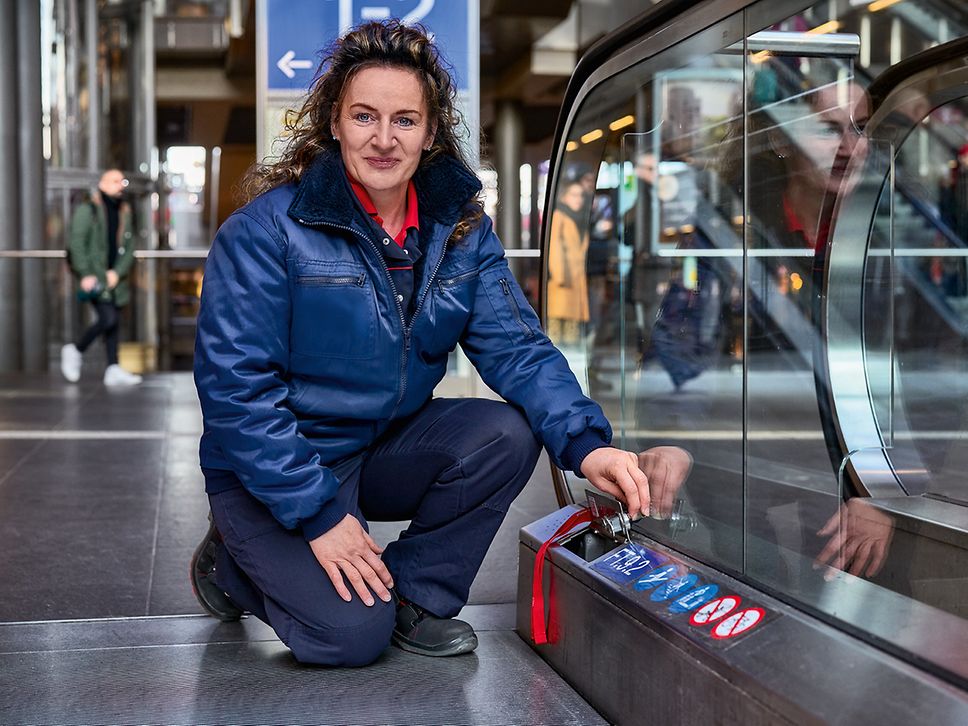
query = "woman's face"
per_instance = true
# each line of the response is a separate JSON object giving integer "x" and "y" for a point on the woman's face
{"x": 383, "y": 127}
{"x": 831, "y": 138}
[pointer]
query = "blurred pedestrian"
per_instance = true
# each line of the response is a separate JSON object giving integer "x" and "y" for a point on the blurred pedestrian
{"x": 568, "y": 309}
{"x": 100, "y": 254}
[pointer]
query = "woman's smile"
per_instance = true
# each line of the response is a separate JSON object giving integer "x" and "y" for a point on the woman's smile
{"x": 383, "y": 128}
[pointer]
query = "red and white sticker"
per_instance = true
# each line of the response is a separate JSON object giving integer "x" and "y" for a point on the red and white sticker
{"x": 738, "y": 623}
{"x": 715, "y": 609}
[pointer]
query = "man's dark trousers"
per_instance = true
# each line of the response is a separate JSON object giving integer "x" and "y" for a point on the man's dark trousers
{"x": 453, "y": 469}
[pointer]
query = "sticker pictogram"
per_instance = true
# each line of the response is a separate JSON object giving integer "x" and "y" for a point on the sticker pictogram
{"x": 714, "y": 610}
{"x": 656, "y": 577}
{"x": 628, "y": 563}
{"x": 694, "y": 598}
{"x": 674, "y": 587}
{"x": 738, "y": 623}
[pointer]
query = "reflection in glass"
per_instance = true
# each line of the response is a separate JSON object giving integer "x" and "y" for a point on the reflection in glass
{"x": 778, "y": 306}
{"x": 567, "y": 280}
{"x": 661, "y": 349}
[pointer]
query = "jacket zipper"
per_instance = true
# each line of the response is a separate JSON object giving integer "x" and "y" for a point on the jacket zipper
{"x": 514, "y": 307}
{"x": 430, "y": 280}
{"x": 404, "y": 354}
{"x": 416, "y": 311}
{"x": 450, "y": 281}
{"x": 359, "y": 280}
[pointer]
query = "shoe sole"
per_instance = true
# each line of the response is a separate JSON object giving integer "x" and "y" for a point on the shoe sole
{"x": 464, "y": 644}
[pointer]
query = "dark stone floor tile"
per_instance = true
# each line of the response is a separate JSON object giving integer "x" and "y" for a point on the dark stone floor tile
{"x": 259, "y": 682}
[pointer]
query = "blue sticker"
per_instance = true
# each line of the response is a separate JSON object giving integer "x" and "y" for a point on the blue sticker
{"x": 694, "y": 598}
{"x": 674, "y": 587}
{"x": 656, "y": 577}
{"x": 628, "y": 563}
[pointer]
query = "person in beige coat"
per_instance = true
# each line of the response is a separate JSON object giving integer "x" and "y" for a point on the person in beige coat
{"x": 567, "y": 282}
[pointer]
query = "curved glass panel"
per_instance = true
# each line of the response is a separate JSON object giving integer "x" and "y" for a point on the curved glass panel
{"x": 651, "y": 317}
{"x": 757, "y": 266}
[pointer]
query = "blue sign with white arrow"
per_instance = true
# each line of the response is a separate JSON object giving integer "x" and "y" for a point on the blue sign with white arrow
{"x": 298, "y": 33}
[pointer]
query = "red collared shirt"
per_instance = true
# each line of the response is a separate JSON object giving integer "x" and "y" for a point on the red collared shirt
{"x": 410, "y": 219}
{"x": 795, "y": 224}
{"x": 401, "y": 257}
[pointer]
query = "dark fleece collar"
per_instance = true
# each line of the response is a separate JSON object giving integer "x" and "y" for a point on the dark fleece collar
{"x": 323, "y": 196}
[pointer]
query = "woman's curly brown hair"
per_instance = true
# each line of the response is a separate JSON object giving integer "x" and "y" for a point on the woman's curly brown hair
{"x": 389, "y": 43}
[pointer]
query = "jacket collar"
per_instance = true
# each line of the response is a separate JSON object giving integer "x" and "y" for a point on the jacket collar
{"x": 323, "y": 195}
{"x": 97, "y": 199}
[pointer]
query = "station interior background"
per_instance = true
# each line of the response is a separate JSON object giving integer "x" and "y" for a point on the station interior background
{"x": 101, "y": 499}
{"x": 166, "y": 90}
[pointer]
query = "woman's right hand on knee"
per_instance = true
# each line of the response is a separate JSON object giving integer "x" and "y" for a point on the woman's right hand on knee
{"x": 347, "y": 550}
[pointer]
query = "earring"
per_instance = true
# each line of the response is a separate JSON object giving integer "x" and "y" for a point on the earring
{"x": 777, "y": 146}
{"x": 335, "y": 139}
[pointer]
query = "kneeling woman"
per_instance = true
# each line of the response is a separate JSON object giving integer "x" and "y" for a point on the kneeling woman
{"x": 330, "y": 304}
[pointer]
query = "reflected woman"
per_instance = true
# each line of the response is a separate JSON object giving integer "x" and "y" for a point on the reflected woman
{"x": 806, "y": 152}
{"x": 795, "y": 169}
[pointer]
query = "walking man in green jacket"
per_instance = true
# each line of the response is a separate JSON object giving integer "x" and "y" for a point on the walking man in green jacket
{"x": 101, "y": 253}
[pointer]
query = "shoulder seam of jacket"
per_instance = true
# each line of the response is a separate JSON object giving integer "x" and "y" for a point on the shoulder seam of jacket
{"x": 281, "y": 245}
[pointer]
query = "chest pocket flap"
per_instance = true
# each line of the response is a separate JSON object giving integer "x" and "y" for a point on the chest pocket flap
{"x": 333, "y": 309}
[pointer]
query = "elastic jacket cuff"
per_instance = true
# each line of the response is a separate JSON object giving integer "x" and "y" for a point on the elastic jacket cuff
{"x": 324, "y": 520}
{"x": 580, "y": 447}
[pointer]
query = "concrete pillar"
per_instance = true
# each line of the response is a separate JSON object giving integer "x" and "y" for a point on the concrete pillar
{"x": 509, "y": 148}
{"x": 94, "y": 121}
{"x": 70, "y": 114}
{"x": 34, "y": 354}
{"x": 535, "y": 220}
{"x": 145, "y": 157}
{"x": 10, "y": 301}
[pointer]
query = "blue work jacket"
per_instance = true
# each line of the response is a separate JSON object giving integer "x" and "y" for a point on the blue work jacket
{"x": 303, "y": 354}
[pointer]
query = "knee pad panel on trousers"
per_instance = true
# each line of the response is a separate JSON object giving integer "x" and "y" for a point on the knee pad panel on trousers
{"x": 499, "y": 421}
{"x": 508, "y": 453}
{"x": 350, "y": 645}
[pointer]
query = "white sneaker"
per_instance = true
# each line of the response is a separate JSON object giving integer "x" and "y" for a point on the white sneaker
{"x": 115, "y": 375}
{"x": 71, "y": 363}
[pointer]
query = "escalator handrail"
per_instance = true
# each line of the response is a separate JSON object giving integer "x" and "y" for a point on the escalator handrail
{"x": 925, "y": 210}
{"x": 595, "y": 56}
{"x": 600, "y": 51}
{"x": 888, "y": 81}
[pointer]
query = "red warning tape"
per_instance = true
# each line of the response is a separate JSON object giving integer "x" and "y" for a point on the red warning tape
{"x": 539, "y": 630}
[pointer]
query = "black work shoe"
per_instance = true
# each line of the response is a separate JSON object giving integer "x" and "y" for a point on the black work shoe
{"x": 209, "y": 595}
{"x": 418, "y": 631}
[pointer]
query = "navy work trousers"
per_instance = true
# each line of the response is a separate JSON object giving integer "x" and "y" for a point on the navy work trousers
{"x": 453, "y": 469}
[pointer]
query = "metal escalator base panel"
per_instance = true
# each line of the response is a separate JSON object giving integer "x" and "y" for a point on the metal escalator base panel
{"x": 636, "y": 666}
